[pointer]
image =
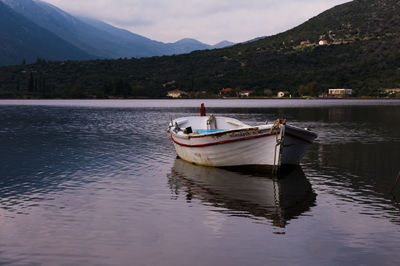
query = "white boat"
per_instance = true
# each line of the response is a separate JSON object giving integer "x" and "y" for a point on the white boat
{"x": 223, "y": 142}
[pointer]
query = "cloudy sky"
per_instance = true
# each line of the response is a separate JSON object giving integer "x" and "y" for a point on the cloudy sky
{"x": 209, "y": 21}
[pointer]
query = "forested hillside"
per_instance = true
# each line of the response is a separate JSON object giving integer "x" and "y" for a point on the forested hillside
{"x": 361, "y": 52}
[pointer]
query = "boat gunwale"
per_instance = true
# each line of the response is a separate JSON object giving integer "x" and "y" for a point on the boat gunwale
{"x": 243, "y": 128}
{"x": 224, "y": 141}
{"x": 300, "y": 129}
{"x": 188, "y": 136}
{"x": 290, "y": 128}
{"x": 224, "y": 132}
{"x": 298, "y": 137}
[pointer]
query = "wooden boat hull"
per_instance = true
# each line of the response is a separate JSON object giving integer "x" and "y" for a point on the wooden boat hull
{"x": 247, "y": 147}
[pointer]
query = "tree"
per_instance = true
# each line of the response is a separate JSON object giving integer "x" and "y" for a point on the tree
{"x": 310, "y": 89}
{"x": 268, "y": 92}
{"x": 31, "y": 83}
{"x": 122, "y": 88}
{"x": 77, "y": 91}
{"x": 138, "y": 91}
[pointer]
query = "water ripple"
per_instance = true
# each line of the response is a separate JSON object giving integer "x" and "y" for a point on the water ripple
{"x": 93, "y": 185}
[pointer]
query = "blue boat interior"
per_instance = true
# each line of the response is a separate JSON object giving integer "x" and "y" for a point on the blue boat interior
{"x": 208, "y": 131}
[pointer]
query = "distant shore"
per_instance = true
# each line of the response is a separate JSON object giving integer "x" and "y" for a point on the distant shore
{"x": 248, "y": 103}
{"x": 224, "y": 98}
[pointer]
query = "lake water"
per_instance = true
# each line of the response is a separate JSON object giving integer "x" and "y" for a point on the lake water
{"x": 98, "y": 183}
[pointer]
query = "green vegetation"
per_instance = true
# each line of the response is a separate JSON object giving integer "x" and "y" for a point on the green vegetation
{"x": 362, "y": 53}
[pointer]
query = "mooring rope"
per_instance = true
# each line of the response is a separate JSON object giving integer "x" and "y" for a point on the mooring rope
{"x": 277, "y": 125}
{"x": 211, "y": 119}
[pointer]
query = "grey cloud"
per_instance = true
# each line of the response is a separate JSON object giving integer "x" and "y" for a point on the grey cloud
{"x": 207, "y": 20}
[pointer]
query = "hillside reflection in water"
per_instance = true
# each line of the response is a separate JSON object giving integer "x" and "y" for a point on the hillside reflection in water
{"x": 98, "y": 183}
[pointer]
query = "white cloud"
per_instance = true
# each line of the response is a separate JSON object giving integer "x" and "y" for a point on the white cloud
{"x": 209, "y": 21}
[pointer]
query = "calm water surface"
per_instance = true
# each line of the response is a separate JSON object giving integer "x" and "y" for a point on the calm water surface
{"x": 98, "y": 183}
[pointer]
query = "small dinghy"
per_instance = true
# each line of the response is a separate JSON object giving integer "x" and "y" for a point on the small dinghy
{"x": 225, "y": 142}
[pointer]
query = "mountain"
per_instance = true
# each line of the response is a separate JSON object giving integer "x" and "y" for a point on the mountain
{"x": 20, "y": 39}
{"x": 94, "y": 36}
{"x": 101, "y": 40}
{"x": 188, "y": 45}
{"x": 222, "y": 44}
{"x": 361, "y": 52}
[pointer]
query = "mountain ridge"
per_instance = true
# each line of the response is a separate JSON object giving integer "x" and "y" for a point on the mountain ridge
{"x": 187, "y": 45}
{"x": 96, "y": 37}
{"x": 25, "y": 41}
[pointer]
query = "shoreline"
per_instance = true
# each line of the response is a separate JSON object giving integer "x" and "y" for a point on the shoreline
{"x": 180, "y": 99}
{"x": 250, "y": 103}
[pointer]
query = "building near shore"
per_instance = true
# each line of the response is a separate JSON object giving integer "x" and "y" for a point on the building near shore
{"x": 392, "y": 91}
{"x": 176, "y": 94}
{"x": 245, "y": 93}
{"x": 340, "y": 92}
{"x": 225, "y": 91}
{"x": 282, "y": 94}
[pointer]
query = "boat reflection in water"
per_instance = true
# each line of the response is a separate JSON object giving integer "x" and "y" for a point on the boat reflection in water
{"x": 246, "y": 194}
